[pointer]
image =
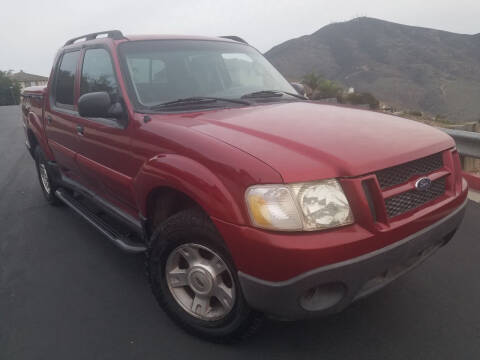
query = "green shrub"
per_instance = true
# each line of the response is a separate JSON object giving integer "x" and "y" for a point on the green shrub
{"x": 415, "y": 113}
{"x": 320, "y": 87}
{"x": 364, "y": 98}
{"x": 9, "y": 90}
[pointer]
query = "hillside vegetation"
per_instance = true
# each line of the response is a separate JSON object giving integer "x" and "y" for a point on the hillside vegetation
{"x": 408, "y": 67}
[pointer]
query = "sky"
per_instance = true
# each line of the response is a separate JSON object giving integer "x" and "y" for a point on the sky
{"x": 31, "y": 31}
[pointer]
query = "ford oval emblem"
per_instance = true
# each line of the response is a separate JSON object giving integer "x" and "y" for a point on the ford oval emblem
{"x": 423, "y": 184}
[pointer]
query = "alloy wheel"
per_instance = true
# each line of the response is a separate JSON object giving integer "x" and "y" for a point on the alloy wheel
{"x": 44, "y": 178}
{"x": 200, "y": 282}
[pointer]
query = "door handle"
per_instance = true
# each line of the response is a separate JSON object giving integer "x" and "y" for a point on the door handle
{"x": 49, "y": 119}
{"x": 80, "y": 130}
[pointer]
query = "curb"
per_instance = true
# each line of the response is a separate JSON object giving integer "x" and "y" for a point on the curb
{"x": 474, "y": 196}
{"x": 472, "y": 180}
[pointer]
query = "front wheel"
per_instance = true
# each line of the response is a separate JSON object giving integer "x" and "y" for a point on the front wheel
{"x": 44, "y": 176}
{"x": 194, "y": 279}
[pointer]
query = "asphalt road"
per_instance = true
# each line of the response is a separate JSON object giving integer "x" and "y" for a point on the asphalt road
{"x": 67, "y": 293}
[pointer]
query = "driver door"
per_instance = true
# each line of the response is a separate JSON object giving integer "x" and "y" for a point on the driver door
{"x": 104, "y": 156}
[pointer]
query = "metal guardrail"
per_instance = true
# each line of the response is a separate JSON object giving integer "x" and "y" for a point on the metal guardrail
{"x": 468, "y": 143}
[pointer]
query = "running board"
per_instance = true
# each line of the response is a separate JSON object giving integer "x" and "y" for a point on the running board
{"x": 118, "y": 239}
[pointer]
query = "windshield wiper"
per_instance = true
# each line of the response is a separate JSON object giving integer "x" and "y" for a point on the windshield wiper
{"x": 271, "y": 93}
{"x": 196, "y": 100}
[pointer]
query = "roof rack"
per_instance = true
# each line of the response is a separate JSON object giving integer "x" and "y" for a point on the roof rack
{"x": 234, "y": 38}
{"x": 114, "y": 34}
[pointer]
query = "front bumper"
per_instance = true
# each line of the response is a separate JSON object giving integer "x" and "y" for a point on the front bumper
{"x": 333, "y": 287}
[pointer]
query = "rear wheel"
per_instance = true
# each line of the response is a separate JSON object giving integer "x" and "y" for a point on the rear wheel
{"x": 194, "y": 279}
{"x": 44, "y": 176}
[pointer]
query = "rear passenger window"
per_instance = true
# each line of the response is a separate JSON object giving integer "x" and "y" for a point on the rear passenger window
{"x": 147, "y": 71}
{"x": 64, "y": 89}
{"x": 98, "y": 73}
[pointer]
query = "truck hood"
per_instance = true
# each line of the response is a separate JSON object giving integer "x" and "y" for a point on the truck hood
{"x": 306, "y": 141}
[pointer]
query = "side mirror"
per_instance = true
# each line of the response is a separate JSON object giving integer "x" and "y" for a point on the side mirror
{"x": 300, "y": 88}
{"x": 95, "y": 104}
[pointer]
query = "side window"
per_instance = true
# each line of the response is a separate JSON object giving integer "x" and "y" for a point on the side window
{"x": 149, "y": 75}
{"x": 64, "y": 87}
{"x": 242, "y": 70}
{"x": 140, "y": 70}
{"x": 98, "y": 73}
{"x": 147, "y": 70}
{"x": 159, "y": 74}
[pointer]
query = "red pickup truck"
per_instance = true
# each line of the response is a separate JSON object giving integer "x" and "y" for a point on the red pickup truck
{"x": 246, "y": 197}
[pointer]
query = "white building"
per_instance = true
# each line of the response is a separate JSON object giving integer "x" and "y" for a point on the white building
{"x": 26, "y": 80}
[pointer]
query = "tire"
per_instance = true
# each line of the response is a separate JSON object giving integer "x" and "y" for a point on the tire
{"x": 192, "y": 229}
{"x": 45, "y": 178}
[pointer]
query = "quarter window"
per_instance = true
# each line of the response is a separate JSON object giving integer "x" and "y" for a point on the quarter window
{"x": 98, "y": 73}
{"x": 64, "y": 90}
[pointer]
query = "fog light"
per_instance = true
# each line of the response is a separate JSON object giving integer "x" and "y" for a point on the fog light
{"x": 323, "y": 297}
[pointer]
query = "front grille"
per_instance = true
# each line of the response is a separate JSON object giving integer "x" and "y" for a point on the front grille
{"x": 409, "y": 200}
{"x": 399, "y": 174}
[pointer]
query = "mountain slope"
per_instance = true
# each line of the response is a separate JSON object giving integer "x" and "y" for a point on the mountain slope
{"x": 410, "y": 67}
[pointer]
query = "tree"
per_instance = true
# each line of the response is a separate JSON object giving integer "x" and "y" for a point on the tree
{"x": 364, "y": 98}
{"x": 311, "y": 80}
{"x": 321, "y": 88}
{"x": 327, "y": 89}
{"x": 9, "y": 90}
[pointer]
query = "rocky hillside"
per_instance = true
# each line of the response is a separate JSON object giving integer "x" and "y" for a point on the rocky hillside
{"x": 408, "y": 67}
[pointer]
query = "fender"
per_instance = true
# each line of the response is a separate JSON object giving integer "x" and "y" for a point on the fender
{"x": 35, "y": 124}
{"x": 193, "y": 179}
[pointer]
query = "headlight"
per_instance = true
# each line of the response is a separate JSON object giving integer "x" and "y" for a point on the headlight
{"x": 304, "y": 206}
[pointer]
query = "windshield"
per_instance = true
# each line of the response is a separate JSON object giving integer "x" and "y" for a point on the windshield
{"x": 159, "y": 71}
